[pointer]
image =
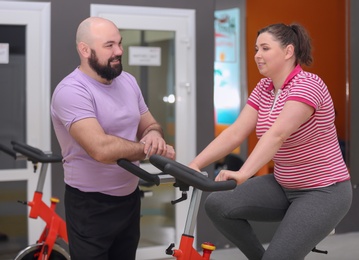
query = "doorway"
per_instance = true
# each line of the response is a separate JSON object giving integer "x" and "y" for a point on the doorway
{"x": 159, "y": 51}
{"x": 24, "y": 106}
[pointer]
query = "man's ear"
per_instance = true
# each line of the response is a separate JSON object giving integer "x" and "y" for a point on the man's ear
{"x": 84, "y": 49}
{"x": 289, "y": 51}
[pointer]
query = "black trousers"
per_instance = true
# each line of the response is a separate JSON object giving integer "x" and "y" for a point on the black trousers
{"x": 102, "y": 227}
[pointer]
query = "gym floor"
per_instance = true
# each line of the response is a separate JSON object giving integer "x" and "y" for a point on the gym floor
{"x": 339, "y": 247}
{"x": 158, "y": 227}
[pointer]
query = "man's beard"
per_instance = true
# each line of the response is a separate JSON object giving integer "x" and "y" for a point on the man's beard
{"x": 105, "y": 71}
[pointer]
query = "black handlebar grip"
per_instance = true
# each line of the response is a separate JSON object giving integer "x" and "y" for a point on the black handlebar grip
{"x": 159, "y": 161}
{"x": 139, "y": 172}
{"x": 34, "y": 154}
{"x": 28, "y": 147}
{"x": 206, "y": 184}
{"x": 190, "y": 176}
{"x": 8, "y": 150}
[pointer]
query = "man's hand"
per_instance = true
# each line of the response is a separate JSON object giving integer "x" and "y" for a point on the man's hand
{"x": 170, "y": 152}
{"x": 155, "y": 144}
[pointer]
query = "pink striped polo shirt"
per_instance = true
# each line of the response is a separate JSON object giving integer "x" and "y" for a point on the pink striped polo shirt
{"x": 311, "y": 156}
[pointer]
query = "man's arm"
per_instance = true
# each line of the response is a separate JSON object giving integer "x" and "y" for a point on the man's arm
{"x": 148, "y": 123}
{"x": 103, "y": 147}
{"x": 150, "y": 133}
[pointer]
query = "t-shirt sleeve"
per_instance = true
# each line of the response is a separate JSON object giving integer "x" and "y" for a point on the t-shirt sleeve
{"x": 71, "y": 104}
{"x": 308, "y": 91}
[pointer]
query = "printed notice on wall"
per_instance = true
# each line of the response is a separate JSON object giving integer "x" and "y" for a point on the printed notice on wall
{"x": 144, "y": 56}
{"x": 4, "y": 53}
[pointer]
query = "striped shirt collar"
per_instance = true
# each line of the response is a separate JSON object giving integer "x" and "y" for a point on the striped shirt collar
{"x": 294, "y": 72}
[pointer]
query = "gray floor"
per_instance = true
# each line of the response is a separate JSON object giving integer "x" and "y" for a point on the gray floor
{"x": 339, "y": 247}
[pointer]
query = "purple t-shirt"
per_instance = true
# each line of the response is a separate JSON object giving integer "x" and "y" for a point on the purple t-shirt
{"x": 117, "y": 107}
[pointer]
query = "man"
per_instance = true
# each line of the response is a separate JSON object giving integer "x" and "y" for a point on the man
{"x": 99, "y": 115}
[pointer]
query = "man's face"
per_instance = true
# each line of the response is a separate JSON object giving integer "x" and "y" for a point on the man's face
{"x": 106, "y": 71}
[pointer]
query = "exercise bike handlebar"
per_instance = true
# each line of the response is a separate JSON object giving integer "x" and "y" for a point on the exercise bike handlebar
{"x": 8, "y": 151}
{"x": 139, "y": 172}
{"x": 34, "y": 154}
{"x": 180, "y": 172}
{"x": 190, "y": 176}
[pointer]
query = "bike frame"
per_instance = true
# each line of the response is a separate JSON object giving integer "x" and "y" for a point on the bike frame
{"x": 55, "y": 226}
{"x": 184, "y": 177}
{"x": 186, "y": 251}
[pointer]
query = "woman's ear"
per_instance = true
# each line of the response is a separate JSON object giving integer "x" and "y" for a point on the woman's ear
{"x": 289, "y": 53}
{"x": 84, "y": 49}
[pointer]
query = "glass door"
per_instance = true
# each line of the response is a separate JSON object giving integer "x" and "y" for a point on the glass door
{"x": 153, "y": 66}
{"x": 24, "y": 103}
{"x": 13, "y": 217}
{"x": 159, "y": 52}
{"x": 149, "y": 57}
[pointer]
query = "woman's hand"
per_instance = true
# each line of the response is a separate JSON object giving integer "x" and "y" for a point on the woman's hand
{"x": 225, "y": 175}
{"x": 194, "y": 167}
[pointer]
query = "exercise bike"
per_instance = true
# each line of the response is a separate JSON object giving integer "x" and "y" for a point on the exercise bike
{"x": 184, "y": 178}
{"x": 47, "y": 246}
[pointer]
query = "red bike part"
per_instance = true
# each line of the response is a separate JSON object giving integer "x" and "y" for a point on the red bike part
{"x": 55, "y": 225}
{"x": 187, "y": 252}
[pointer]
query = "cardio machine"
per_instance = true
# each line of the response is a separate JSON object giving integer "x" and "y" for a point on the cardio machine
{"x": 184, "y": 177}
{"x": 47, "y": 246}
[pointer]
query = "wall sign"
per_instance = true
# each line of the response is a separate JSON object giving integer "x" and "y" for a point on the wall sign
{"x": 144, "y": 56}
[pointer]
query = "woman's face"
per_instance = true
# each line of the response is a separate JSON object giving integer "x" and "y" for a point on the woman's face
{"x": 270, "y": 55}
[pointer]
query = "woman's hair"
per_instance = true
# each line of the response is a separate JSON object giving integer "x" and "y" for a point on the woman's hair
{"x": 294, "y": 34}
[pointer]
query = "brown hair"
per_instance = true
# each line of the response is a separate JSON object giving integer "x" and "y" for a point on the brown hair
{"x": 294, "y": 34}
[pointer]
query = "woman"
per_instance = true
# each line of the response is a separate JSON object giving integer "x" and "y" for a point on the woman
{"x": 293, "y": 114}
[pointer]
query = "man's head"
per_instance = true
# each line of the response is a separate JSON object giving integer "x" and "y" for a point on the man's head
{"x": 99, "y": 44}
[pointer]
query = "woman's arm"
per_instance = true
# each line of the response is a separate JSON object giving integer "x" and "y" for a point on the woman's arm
{"x": 228, "y": 140}
{"x": 293, "y": 115}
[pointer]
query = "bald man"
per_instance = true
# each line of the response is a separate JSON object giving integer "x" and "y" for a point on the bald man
{"x": 99, "y": 116}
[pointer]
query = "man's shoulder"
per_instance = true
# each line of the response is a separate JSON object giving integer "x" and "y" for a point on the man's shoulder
{"x": 126, "y": 76}
{"x": 72, "y": 85}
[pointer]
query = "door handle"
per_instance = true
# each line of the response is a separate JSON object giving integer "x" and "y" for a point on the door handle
{"x": 187, "y": 86}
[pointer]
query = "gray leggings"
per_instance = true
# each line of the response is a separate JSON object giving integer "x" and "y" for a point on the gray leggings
{"x": 307, "y": 216}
